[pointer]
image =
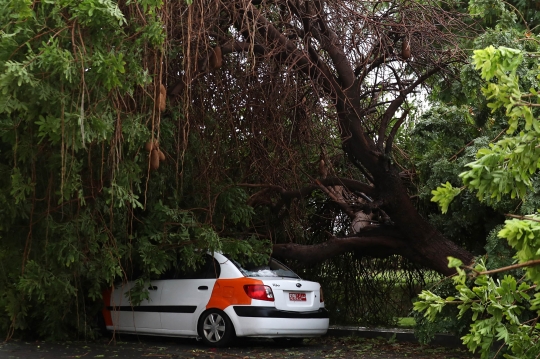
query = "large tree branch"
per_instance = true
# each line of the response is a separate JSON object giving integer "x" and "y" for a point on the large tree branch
{"x": 378, "y": 242}
{"x": 390, "y": 241}
{"x": 333, "y": 46}
{"x": 356, "y": 162}
{"x": 314, "y": 13}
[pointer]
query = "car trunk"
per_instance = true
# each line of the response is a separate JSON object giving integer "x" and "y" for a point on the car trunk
{"x": 294, "y": 294}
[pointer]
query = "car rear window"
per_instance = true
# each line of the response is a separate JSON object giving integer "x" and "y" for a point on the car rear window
{"x": 273, "y": 269}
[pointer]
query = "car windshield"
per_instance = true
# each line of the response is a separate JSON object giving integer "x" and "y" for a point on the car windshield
{"x": 273, "y": 269}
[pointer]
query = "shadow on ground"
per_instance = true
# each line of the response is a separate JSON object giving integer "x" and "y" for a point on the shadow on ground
{"x": 127, "y": 347}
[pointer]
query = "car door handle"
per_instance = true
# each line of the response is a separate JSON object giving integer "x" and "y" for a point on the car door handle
{"x": 152, "y": 287}
{"x": 203, "y": 287}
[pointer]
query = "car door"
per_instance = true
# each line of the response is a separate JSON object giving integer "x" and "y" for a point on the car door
{"x": 141, "y": 318}
{"x": 185, "y": 298}
{"x": 146, "y": 314}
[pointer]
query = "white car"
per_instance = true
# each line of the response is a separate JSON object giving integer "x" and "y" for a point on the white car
{"x": 221, "y": 301}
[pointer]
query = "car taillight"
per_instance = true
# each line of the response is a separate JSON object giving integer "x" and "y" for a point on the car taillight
{"x": 260, "y": 292}
{"x": 321, "y": 297}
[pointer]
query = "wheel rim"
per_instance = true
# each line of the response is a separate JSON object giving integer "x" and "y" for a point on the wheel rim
{"x": 214, "y": 327}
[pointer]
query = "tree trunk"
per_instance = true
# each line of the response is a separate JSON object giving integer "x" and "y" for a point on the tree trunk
{"x": 431, "y": 248}
{"x": 411, "y": 236}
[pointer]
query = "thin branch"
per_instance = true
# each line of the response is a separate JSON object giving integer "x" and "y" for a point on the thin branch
{"x": 239, "y": 46}
{"x": 522, "y": 217}
{"x": 461, "y": 150}
{"x": 303, "y": 63}
{"x": 393, "y": 132}
{"x": 532, "y": 263}
{"x": 398, "y": 101}
{"x": 329, "y": 181}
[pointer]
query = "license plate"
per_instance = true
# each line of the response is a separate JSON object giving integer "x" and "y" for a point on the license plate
{"x": 297, "y": 297}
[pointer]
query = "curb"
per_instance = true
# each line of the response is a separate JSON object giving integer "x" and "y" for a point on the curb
{"x": 402, "y": 335}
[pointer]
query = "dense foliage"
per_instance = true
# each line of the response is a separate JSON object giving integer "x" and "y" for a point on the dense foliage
{"x": 500, "y": 296}
{"x": 82, "y": 204}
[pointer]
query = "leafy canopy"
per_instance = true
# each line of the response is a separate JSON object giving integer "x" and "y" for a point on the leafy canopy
{"x": 503, "y": 308}
{"x": 80, "y": 208}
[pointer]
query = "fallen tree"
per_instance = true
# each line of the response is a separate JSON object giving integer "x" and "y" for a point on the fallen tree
{"x": 336, "y": 75}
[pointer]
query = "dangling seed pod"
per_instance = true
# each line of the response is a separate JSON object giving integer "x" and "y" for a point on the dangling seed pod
{"x": 149, "y": 146}
{"x": 161, "y": 155}
{"x": 216, "y": 59}
{"x": 405, "y": 49}
{"x": 162, "y": 97}
{"x": 154, "y": 160}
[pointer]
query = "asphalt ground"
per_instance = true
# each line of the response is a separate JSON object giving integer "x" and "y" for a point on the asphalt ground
{"x": 128, "y": 346}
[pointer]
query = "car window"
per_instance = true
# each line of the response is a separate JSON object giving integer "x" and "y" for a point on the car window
{"x": 273, "y": 269}
{"x": 210, "y": 269}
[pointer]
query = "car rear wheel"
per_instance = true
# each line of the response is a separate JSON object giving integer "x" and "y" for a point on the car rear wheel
{"x": 215, "y": 328}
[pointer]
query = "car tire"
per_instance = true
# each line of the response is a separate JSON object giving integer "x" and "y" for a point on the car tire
{"x": 215, "y": 328}
{"x": 288, "y": 342}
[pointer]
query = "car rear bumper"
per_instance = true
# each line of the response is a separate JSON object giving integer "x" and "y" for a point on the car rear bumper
{"x": 269, "y": 322}
{"x": 271, "y": 312}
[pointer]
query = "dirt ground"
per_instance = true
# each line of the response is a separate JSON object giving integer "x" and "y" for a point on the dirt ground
{"x": 128, "y": 347}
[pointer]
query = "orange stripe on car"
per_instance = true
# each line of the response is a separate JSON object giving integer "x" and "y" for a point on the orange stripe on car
{"x": 107, "y": 313}
{"x": 228, "y": 292}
